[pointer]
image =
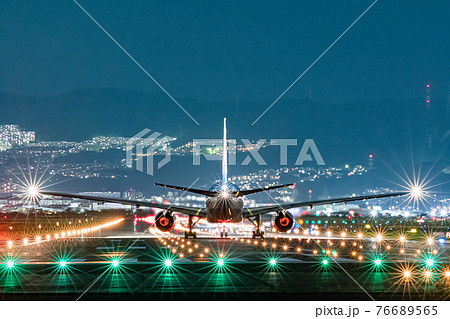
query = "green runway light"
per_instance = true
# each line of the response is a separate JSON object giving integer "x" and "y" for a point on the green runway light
{"x": 168, "y": 262}
{"x": 325, "y": 264}
{"x": 273, "y": 262}
{"x": 10, "y": 264}
{"x": 377, "y": 262}
{"x": 115, "y": 263}
{"x": 62, "y": 264}
{"x": 220, "y": 262}
{"x": 429, "y": 261}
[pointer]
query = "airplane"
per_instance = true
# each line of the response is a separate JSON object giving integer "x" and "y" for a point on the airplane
{"x": 224, "y": 204}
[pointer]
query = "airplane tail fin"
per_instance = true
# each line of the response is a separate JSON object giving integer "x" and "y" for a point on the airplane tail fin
{"x": 224, "y": 154}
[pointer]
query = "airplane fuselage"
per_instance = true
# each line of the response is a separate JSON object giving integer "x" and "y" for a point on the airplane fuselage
{"x": 221, "y": 209}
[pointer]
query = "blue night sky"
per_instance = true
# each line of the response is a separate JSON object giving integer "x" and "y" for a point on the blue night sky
{"x": 227, "y": 50}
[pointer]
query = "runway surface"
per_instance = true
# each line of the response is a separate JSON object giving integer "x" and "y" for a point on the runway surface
{"x": 120, "y": 264}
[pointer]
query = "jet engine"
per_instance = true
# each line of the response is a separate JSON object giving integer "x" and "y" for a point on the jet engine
{"x": 164, "y": 221}
{"x": 284, "y": 221}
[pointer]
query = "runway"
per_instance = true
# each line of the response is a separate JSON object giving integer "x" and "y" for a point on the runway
{"x": 120, "y": 264}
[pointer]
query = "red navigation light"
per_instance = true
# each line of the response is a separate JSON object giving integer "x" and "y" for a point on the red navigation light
{"x": 310, "y": 191}
{"x": 370, "y": 156}
{"x": 428, "y": 85}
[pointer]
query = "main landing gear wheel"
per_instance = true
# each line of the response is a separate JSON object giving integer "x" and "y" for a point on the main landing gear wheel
{"x": 257, "y": 234}
{"x": 223, "y": 234}
{"x": 191, "y": 233}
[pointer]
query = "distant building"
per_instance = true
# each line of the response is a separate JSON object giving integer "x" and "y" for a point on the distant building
{"x": 12, "y": 135}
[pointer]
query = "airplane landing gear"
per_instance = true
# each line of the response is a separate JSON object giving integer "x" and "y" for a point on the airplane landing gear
{"x": 191, "y": 233}
{"x": 257, "y": 233}
{"x": 224, "y": 233}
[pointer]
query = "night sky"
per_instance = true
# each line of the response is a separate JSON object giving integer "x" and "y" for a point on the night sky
{"x": 227, "y": 50}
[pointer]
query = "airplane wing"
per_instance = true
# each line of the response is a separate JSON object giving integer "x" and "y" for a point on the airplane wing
{"x": 248, "y": 212}
{"x": 193, "y": 211}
